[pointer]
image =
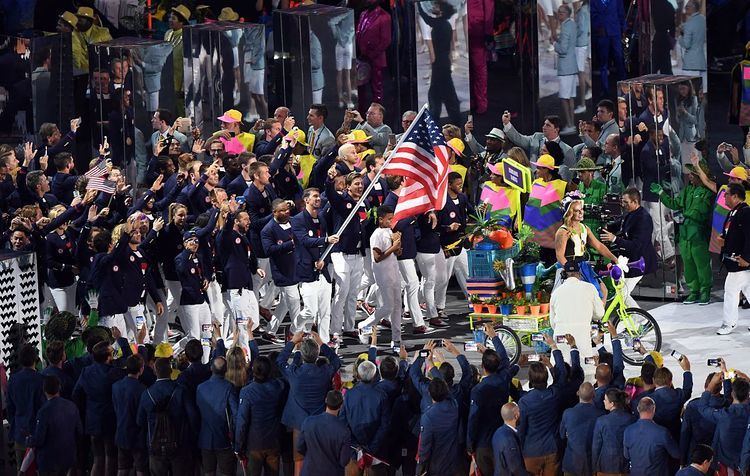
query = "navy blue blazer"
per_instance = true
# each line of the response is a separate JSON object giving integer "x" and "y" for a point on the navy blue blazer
{"x": 487, "y": 398}
{"x": 352, "y": 237}
{"x": 325, "y": 442}
{"x": 539, "y": 425}
{"x": 259, "y": 415}
{"x": 66, "y": 380}
{"x": 695, "y": 429}
{"x": 506, "y": 453}
{"x": 25, "y": 398}
{"x": 126, "y": 396}
{"x": 577, "y": 429}
{"x": 93, "y": 392}
{"x": 107, "y": 278}
{"x": 217, "y": 404}
{"x": 308, "y": 384}
{"x": 408, "y": 228}
{"x": 62, "y": 186}
{"x": 367, "y": 412}
{"x": 167, "y": 246}
{"x": 259, "y": 209}
{"x": 649, "y": 446}
{"x": 607, "y": 450}
{"x": 669, "y": 404}
{"x": 195, "y": 374}
{"x": 238, "y": 259}
{"x": 689, "y": 471}
{"x": 635, "y": 240}
{"x": 190, "y": 268}
{"x": 183, "y": 415}
{"x": 278, "y": 245}
{"x": 440, "y": 440}
{"x": 61, "y": 257}
{"x": 58, "y": 427}
{"x": 310, "y": 240}
{"x": 454, "y": 212}
{"x": 731, "y": 427}
{"x": 429, "y": 238}
{"x": 237, "y": 186}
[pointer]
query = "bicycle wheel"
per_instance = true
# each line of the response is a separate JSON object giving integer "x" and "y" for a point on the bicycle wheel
{"x": 645, "y": 329}
{"x": 510, "y": 341}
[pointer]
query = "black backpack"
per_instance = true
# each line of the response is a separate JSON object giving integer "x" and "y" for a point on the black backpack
{"x": 164, "y": 439}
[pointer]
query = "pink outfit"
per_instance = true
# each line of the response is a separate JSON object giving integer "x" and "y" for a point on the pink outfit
{"x": 481, "y": 14}
{"x": 373, "y": 38}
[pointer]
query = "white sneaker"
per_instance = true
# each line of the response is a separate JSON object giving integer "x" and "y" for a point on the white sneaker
{"x": 588, "y": 95}
{"x": 725, "y": 329}
{"x": 579, "y": 110}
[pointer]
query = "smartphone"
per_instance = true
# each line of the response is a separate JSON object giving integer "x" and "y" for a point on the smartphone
{"x": 595, "y": 327}
{"x": 714, "y": 362}
{"x": 560, "y": 339}
{"x": 391, "y": 139}
{"x": 480, "y": 337}
{"x": 470, "y": 346}
{"x": 424, "y": 353}
{"x": 676, "y": 355}
{"x": 240, "y": 200}
{"x": 139, "y": 322}
{"x": 206, "y": 333}
{"x": 533, "y": 358}
{"x": 438, "y": 342}
{"x": 589, "y": 361}
{"x": 537, "y": 337}
{"x": 470, "y": 118}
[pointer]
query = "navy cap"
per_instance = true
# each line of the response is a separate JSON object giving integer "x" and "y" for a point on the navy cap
{"x": 189, "y": 234}
{"x": 571, "y": 266}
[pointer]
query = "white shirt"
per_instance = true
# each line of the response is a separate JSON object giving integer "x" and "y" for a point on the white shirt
{"x": 574, "y": 304}
{"x": 381, "y": 239}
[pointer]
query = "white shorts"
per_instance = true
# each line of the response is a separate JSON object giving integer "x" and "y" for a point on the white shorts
{"x": 254, "y": 78}
{"x": 344, "y": 55}
{"x": 567, "y": 86}
{"x": 582, "y": 54}
{"x": 548, "y": 7}
{"x": 702, "y": 74}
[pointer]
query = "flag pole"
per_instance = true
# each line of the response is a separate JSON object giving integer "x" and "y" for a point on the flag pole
{"x": 372, "y": 183}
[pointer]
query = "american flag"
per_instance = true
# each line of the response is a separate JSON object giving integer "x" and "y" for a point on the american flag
{"x": 99, "y": 170}
{"x": 101, "y": 185}
{"x": 422, "y": 159}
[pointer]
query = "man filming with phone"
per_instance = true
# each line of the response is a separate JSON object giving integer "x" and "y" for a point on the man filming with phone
{"x": 735, "y": 254}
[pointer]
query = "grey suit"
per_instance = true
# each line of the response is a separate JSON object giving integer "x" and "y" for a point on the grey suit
{"x": 321, "y": 141}
{"x": 379, "y": 136}
{"x": 533, "y": 143}
{"x": 565, "y": 47}
{"x": 693, "y": 40}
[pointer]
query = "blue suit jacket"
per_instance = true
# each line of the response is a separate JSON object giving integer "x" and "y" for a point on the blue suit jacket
{"x": 352, "y": 238}
{"x": 195, "y": 374}
{"x": 577, "y": 429}
{"x": 259, "y": 209}
{"x": 506, "y": 453}
{"x": 278, "y": 245}
{"x": 190, "y": 272}
{"x": 440, "y": 440}
{"x": 326, "y": 443}
{"x": 181, "y": 413}
{"x": 669, "y": 403}
{"x": 259, "y": 415}
{"x": 367, "y": 413}
{"x": 606, "y": 449}
{"x": 66, "y": 380}
{"x": 731, "y": 428}
{"x": 238, "y": 258}
{"x": 126, "y": 396}
{"x": 689, "y": 471}
{"x": 695, "y": 429}
{"x": 649, "y": 446}
{"x": 308, "y": 385}
{"x": 58, "y": 427}
{"x": 93, "y": 391}
{"x": 607, "y": 18}
{"x": 217, "y": 404}
{"x": 25, "y": 398}
{"x": 310, "y": 241}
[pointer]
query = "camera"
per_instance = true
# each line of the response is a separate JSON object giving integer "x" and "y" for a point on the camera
{"x": 714, "y": 362}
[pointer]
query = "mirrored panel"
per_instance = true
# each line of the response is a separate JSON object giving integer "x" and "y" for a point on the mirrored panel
{"x": 35, "y": 83}
{"x": 130, "y": 78}
{"x": 224, "y": 68}
{"x": 314, "y": 58}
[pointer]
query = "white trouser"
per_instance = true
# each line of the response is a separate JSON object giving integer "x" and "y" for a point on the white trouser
{"x": 174, "y": 293}
{"x": 288, "y": 301}
{"x": 426, "y": 263}
{"x": 216, "y": 302}
{"x": 411, "y": 282}
{"x": 630, "y": 284}
{"x": 368, "y": 289}
{"x": 114, "y": 320}
{"x": 65, "y": 298}
{"x": 390, "y": 301}
{"x": 663, "y": 233}
{"x": 733, "y": 284}
{"x": 244, "y": 307}
{"x": 228, "y": 324}
{"x": 317, "y": 299}
{"x": 455, "y": 264}
{"x": 194, "y": 317}
{"x": 270, "y": 291}
{"x": 347, "y": 271}
{"x": 156, "y": 322}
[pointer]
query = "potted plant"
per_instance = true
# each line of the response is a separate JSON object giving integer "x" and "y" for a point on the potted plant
{"x": 491, "y": 305}
{"x": 544, "y": 301}
{"x": 506, "y": 306}
{"x": 534, "y": 306}
{"x": 521, "y": 306}
{"x": 477, "y": 303}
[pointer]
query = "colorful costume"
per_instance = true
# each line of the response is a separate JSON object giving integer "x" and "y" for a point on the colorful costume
{"x": 542, "y": 212}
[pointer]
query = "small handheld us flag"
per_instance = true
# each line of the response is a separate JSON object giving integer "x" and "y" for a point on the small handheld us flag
{"x": 101, "y": 185}
{"x": 99, "y": 170}
{"x": 422, "y": 158}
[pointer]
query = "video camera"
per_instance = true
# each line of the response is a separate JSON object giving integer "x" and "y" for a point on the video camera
{"x": 609, "y": 213}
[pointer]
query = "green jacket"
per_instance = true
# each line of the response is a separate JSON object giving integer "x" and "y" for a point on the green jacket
{"x": 594, "y": 193}
{"x": 696, "y": 205}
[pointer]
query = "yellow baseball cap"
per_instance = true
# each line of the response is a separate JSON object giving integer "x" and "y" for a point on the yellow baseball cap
{"x": 457, "y": 145}
{"x": 298, "y": 134}
{"x": 357, "y": 136}
{"x": 658, "y": 358}
{"x": 164, "y": 350}
{"x": 546, "y": 161}
{"x": 70, "y": 18}
{"x": 738, "y": 173}
{"x": 86, "y": 12}
{"x": 231, "y": 116}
